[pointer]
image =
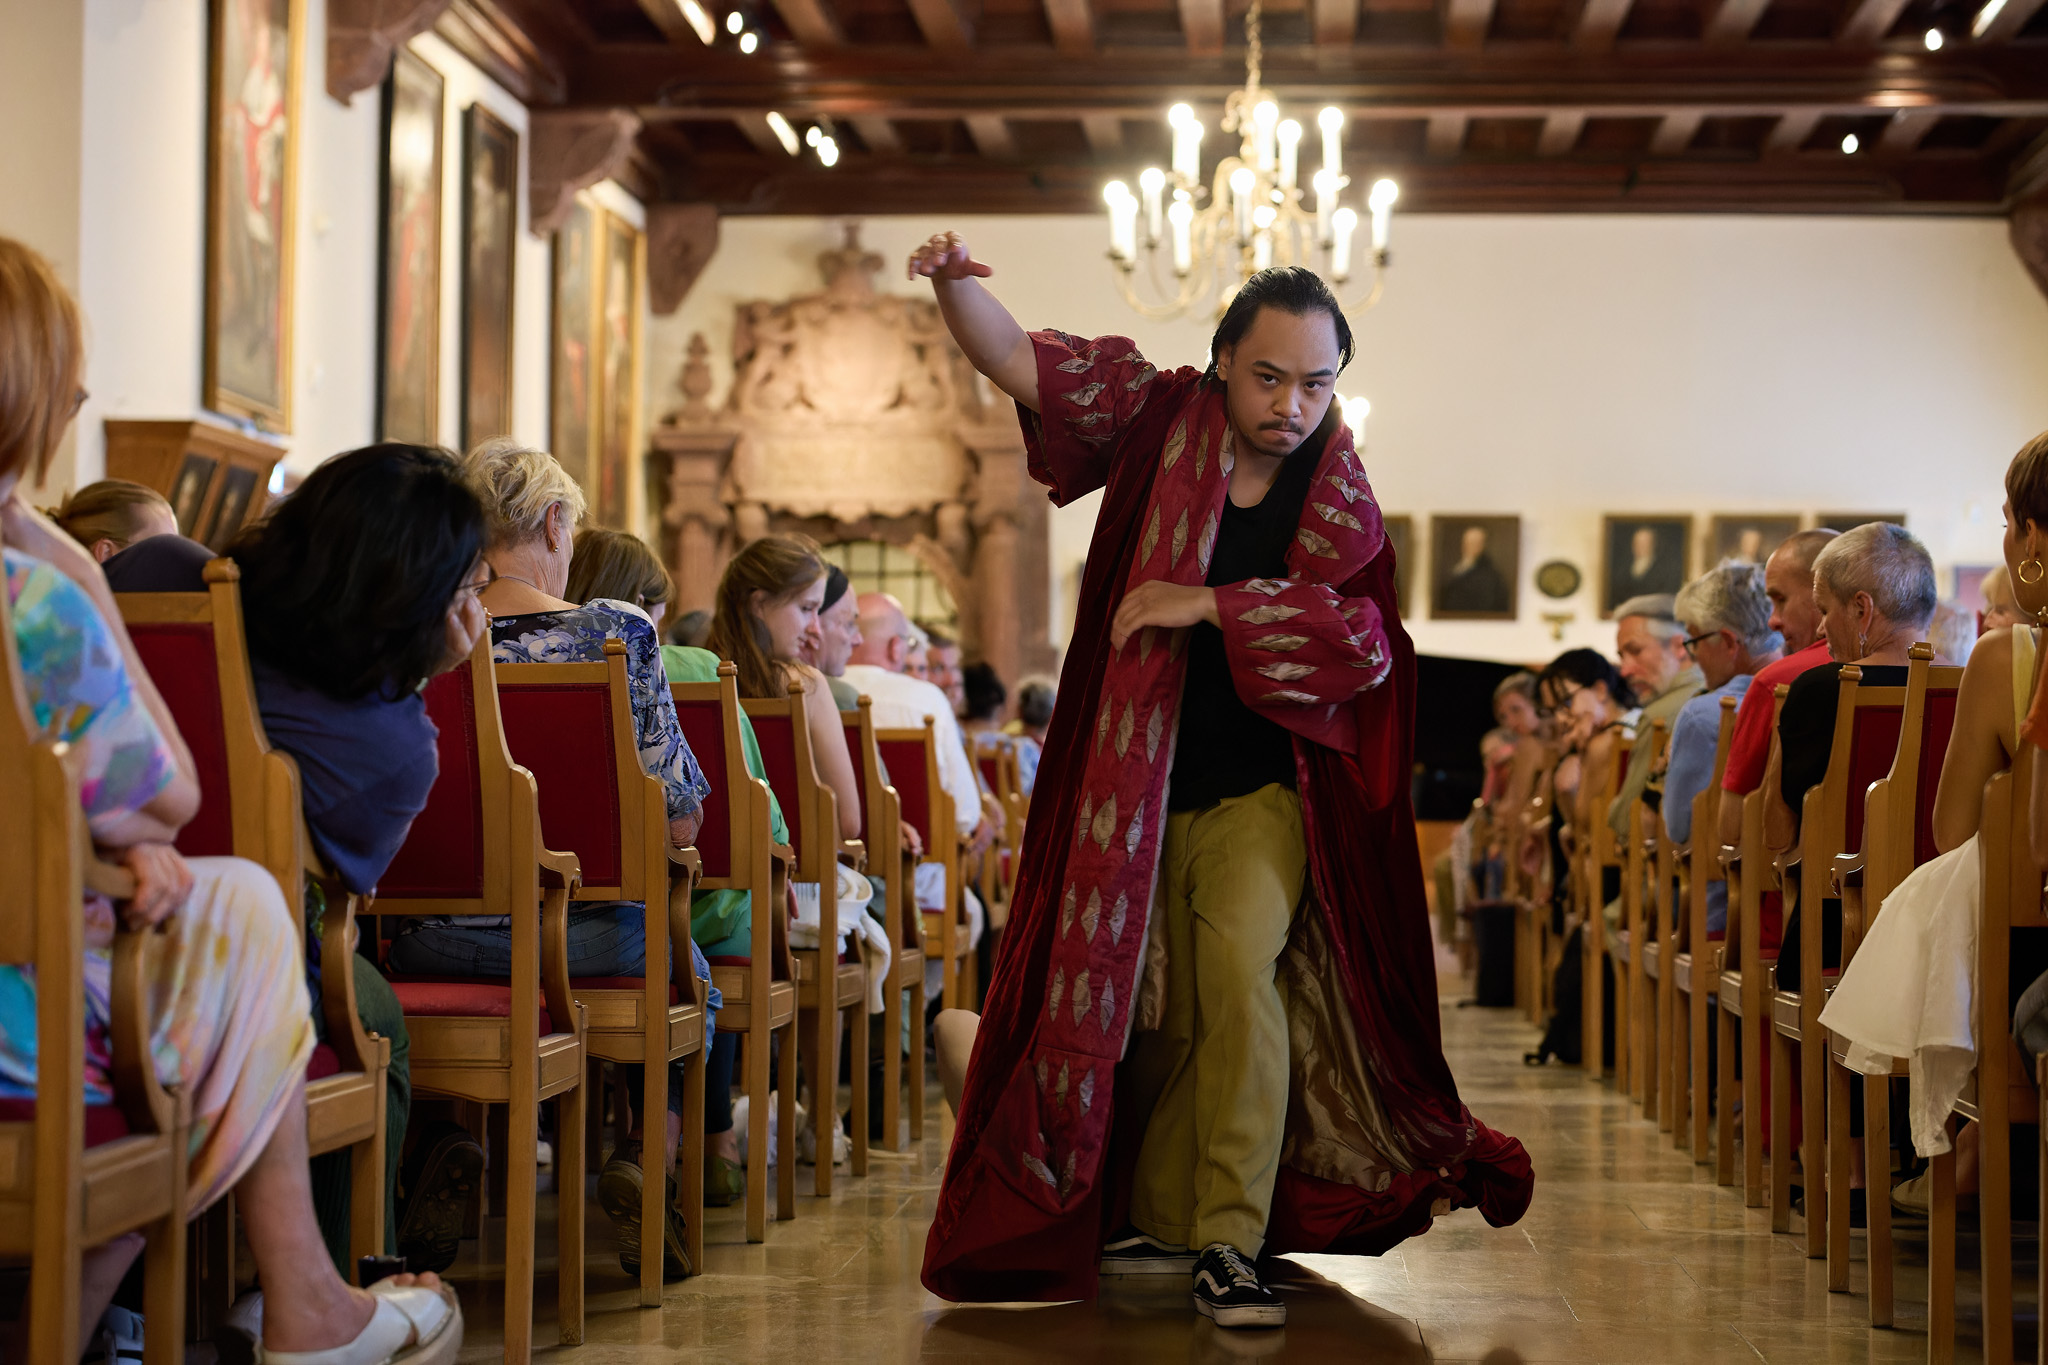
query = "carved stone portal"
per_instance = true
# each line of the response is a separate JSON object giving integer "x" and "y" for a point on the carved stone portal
{"x": 853, "y": 416}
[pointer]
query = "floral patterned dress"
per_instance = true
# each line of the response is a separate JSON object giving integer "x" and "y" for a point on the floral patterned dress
{"x": 230, "y": 1018}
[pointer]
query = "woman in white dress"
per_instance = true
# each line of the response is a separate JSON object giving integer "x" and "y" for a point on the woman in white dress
{"x": 1908, "y": 991}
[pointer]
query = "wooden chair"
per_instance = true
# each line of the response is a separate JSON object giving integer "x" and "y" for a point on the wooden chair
{"x": 1602, "y": 852}
{"x": 1684, "y": 870}
{"x": 571, "y": 726}
{"x": 881, "y": 815}
{"x": 197, "y": 653}
{"x": 73, "y": 1175}
{"x": 912, "y": 757}
{"x": 832, "y": 989}
{"x": 1639, "y": 944}
{"x": 476, "y": 850}
{"x": 998, "y": 871}
{"x": 1531, "y": 895}
{"x": 2000, "y": 1093}
{"x": 1739, "y": 994}
{"x": 760, "y": 990}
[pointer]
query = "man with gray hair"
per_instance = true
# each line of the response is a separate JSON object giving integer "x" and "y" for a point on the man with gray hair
{"x": 1727, "y": 619}
{"x": 1654, "y": 661}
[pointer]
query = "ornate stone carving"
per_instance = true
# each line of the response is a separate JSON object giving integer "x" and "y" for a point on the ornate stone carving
{"x": 573, "y": 149}
{"x": 362, "y": 35}
{"x": 680, "y": 240}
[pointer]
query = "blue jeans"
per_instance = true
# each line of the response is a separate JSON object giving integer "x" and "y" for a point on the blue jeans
{"x": 606, "y": 938}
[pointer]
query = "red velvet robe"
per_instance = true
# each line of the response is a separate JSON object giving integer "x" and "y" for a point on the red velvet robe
{"x": 1040, "y": 1159}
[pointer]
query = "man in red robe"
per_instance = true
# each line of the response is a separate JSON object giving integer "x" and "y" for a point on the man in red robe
{"x": 1212, "y": 1031}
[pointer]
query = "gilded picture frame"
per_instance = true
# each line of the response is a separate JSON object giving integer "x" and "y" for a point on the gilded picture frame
{"x": 490, "y": 229}
{"x": 573, "y": 343}
{"x": 1475, "y": 567}
{"x": 622, "y": 275}
{"x": 1643, "y": 553}
{"x": 409, "y": 254}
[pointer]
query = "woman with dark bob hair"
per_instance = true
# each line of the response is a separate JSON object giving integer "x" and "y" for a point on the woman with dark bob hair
{"x": 230, "y": 1020}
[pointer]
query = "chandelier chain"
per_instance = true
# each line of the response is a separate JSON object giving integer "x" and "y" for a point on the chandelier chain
{"x": 1255, "y": 52}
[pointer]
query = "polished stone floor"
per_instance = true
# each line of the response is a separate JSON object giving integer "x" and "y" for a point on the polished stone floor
{"x": 1629, "y": 1253}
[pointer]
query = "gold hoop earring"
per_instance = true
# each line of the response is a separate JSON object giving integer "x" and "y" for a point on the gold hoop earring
{"x": 2040, "y": 571}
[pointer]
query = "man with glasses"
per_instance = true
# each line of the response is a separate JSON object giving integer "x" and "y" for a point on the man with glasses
{"x": 1658, "y": 666}
{"x": 1727, "y": 621}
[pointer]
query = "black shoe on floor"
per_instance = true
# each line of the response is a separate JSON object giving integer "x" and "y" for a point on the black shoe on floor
{"x": 1228, "y": 1291}
{"x": 618, "y": 1193}
{"x": 1131, "y": 1252}
{"x": 439, "y": 1182}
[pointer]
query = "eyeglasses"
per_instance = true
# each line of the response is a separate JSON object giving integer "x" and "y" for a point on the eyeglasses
{"x": 1564, "y": 704}
{"x": 1691, "y": 641}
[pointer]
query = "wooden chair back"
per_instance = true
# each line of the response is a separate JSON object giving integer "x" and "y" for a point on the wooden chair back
{"x": 881, "y": 813}
{"x": 912, "y": 757}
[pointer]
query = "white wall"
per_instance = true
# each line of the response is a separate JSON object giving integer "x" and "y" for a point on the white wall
{"x": 1564, "y": 366}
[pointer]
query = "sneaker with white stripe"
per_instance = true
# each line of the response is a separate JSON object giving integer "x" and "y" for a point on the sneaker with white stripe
{"x": 1131, "y": 1252}
{"x": 1228, "y": 1291}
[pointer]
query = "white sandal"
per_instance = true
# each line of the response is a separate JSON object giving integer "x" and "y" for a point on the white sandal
{"x": 431, "y": 1317}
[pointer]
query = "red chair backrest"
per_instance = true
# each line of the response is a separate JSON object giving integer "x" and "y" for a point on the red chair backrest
{"x": 443, "y": 853}
{"x": 181, "y": 662}
{"x": 1873, "y": 744}
{"x": 775, "y": 736}
{"x": 704, "y": 730}
{"x": 991, "y": 769}
{"x": 1935, "y": 728}
{"x": 562, "y": 734}
{"x": 860, "y": 764}
{"x": 907, "y": 774}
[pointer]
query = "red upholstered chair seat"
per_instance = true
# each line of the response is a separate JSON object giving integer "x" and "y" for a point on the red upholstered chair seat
{"x": 323, "y": 1063}
{"x": 730, "y": 961}
{"x": 103, "y": 1122}
{"x": 482, "y": 997}
{"x": 621, "y": 983}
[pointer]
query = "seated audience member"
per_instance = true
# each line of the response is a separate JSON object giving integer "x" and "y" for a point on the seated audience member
{"x": 1875, "y": 589}
{"x": 900, "y": 700}
{"x": 531, "y": 506}
{"x": 691, "y": 629}
{"x": 1035, "y": 697}
{"x": 838, "y": 636}
{"x": 917, "y": 652}
{"x": 617, "y": 566}
{"x": 942, "y": 665}
{"x": 2001, "y": 611}
{"x": 983, "y": 698}
{"x": 109, "y": 516}
{"x": 1952, "y": 632}
{"x": 1514, "y": 710}
{"x": 1663, "y": 676}
{"x": 1795, "y": 615}
{"x": 1907, "y": 992}
{"x": 159, "y": 564}
{"x": 1727, "y": 621}
{"x": 231, "y": 1023}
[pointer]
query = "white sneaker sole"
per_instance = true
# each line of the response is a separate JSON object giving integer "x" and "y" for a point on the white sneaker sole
{"x": 1265, "y": 1315}
{"x": 1147, "y": 1265}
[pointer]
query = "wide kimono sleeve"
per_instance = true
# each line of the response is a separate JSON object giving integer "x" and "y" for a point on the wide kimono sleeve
{"x": 1301, "y": 650}
{"x": 1090, "y": 395}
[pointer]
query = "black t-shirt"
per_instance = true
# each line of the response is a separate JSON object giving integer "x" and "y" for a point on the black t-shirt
{"x": 1806, "y": 724}
{"x": 1225, "y": 748}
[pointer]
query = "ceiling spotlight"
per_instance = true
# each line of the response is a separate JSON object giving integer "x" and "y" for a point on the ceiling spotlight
{"x": 749, "y": 41}
{"x": 1850, "y": 145}
{"x": 734, "y": 22}
{"x": 828, "y": 151}
{"x": 1933, "y": 40}
{"x": 699, "y": 19}
{"x": 812, "y": 134}
{"x": 784, "y": 134}
{"x": 1986, "y": 17}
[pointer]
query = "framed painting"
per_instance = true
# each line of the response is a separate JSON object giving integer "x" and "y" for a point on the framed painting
{"x": 409, "y": 296}
{"x": 1849, "y": 521}
{"x": 1747, "y": 537}
{"x": 231, "y": 509}
{"x": 1642, "y": 553}
{"x": 490, "y": 223}
{"x": 252, "y": 165}
{"x": 618, "y": 370}
{"x": 1475, "y": 564}
{"x": 188, "y": 493}
{"x": 572, "y": 406}
{"x": 1401, "y": 536}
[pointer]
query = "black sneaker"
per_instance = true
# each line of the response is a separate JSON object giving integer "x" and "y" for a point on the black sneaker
{"x": 1227, "y": 1290}
{"x": 436, "y": 1187}
{"x": 618, "y": 1194}
{"x": 1131, "y": 1252}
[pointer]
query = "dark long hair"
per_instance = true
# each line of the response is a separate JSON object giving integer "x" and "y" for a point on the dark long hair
{"x": 1582, "y": 668}
{"x": 346, "y": 585}
{"x": 1291, "y": 289}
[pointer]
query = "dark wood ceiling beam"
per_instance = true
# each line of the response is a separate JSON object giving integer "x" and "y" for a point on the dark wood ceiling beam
{"x": 668, "y": 17}
{"x": 991, "y": 133}
{"x": 1907, "y": 130}
{"x": 1791, "y": 132}
{"x": 1201, "y": 23}
{"x": 1676, "y": 132}
{"x": 1105, "y": 133}
{"x": 1466, "y": 23}
{"x": 943, "y": 25}
{"x": 2012, "y": 16}
{"x": 1600, "y": 24}
{"x": 2028, "y": 176}
{"x": 1073, "y": 26}
{"x": 1868, "y": 21}
{"x": 1561, "y": 132}
{"x": 1733, "y": 21}
{"x": 525, "y": 53}
{"x": 1336, "y": 22}
{"x": 1446, "y": 135}
{"x": 878, "y": 133}
{"x": 811, "y": 22}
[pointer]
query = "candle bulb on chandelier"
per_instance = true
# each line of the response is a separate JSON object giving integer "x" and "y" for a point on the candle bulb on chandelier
{"x": 1263, "y": 218}
{"x": 1344, "y": 224}
{"x": 1242, "y": 183}
{"x": 1152, "y": 183}
{"x": 1331, "y": 121}
{"x": 1381, "y": 202}
{"x": 1326, "y": 204}
{"x": 1290, "y": 150}
{"x": 1123, "y": 220}
{"x": 1264, "y": 119}
{"x": 1187, "y": 145}
{"x": 1182, "y": 216}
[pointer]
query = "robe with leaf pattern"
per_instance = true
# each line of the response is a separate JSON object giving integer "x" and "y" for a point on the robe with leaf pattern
{"x": 1377, "y": 1141}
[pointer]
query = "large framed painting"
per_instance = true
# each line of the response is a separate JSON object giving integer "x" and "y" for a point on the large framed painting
{"x": 490, "y": 223}
{"x": 1475, "y": 564}
{"x": 618, "y": 369}
{"x": 1849, "y": 521}
{"x": 1747, "y": 536}
{"x": 409, "y": 300}
{"x": 1642, "y": 553}
{"x": 251, "y": 162}
{"x": 572, "y": 406}
{"x": 1401, "y": 537}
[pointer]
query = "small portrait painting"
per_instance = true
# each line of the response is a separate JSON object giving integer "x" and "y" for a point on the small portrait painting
{"x": 1474, "y": 565}
{"x": 237, "y": 486}
{"x": 1401, "y": 540}
{"x": 409, "y": 406}
{"x": 1746, "y": 537}
{"x": 490, "y": 222}
{"x": 1642, "y": 554}
{"x": 1849, "y": 521}
{"x": 572, "y": 409}
{"x": 188, "y": 493}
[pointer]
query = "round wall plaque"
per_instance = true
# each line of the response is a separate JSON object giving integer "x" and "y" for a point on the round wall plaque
{"x": 1558, "y": 578}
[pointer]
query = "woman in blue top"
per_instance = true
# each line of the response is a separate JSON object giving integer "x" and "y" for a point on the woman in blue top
{"x": 533, "y": 506}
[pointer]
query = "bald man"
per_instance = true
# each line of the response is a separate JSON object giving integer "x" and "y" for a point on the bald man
{"x": 902, "y": 702}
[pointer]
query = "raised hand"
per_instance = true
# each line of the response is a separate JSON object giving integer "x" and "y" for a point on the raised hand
{"x": 946, "y": 257}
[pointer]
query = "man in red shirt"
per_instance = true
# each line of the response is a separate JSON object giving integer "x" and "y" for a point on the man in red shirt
{"x": 1788, "y": 582}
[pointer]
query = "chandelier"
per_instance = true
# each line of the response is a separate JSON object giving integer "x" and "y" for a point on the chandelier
{"x": 1252, "y": 212}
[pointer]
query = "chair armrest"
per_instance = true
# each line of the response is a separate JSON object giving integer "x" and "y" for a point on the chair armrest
{"x": 784, "y": 854}
{"x": 111, "y": 880}
{"x": 684, "y": 864}
{"x": 1730, "y": 856}
{"x": 560, "y": 870}
{"x": 1846, "y": 870}
{"x": 854, "y": 853}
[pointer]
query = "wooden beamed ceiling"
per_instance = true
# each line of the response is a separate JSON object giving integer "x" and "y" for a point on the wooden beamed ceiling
{"x": 963, "y": 106}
